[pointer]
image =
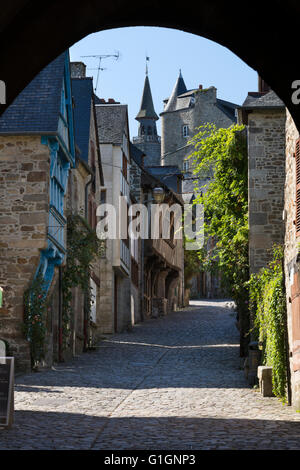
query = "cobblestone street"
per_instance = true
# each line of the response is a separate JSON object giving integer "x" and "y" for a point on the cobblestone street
{"x": 170, "y": 383}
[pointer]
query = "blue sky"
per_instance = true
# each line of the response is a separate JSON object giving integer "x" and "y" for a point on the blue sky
{"x": 201, "y": 61}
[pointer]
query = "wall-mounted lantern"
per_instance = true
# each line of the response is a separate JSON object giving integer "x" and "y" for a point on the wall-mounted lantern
{"x": 158, "y": 195}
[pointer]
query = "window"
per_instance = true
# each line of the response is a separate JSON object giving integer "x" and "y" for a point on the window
{"x": 297, "y": 158}
{"x": 93, "y": 167}
{"x": 103, "y": 201}
{"x": 185, "y": 130}
{"x": 186, "y": 165}
{"x": 103, "y": 196}
{"x": 134, "y": 272}
{"x": 124, "y": 166}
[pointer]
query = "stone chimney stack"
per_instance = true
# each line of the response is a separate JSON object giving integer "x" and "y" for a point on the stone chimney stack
{"x": 78, "y": 70}
{"x": 263, "y": 87}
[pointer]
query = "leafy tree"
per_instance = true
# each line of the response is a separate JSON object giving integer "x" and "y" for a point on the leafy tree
{"x": 219, "y": 160}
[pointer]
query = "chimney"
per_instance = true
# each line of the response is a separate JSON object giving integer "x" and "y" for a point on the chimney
{"x": 111, "y": 100}
{"x": 78, "y": 70}
{"x": 263, "y": 87}
{"x": 200, "y": 87}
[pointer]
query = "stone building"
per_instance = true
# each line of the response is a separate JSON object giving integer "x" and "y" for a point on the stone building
{"x": 37, "y": 150}
{"x": 147, "y": 140}
{"x": 83, "y": 198}
{"x": 162, "y": 281}
{"x": 274, "y": 162}
{"x": 184, "y": 111}
{"x": 120, "y": 306}
{"x": 264, "y": 115}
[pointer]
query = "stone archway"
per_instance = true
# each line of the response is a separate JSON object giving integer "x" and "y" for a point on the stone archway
{"x": 263, "y": 34}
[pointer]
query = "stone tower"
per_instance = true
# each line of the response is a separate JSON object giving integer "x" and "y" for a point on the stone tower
{"x": 183, "y": 112}
{"x": 147, "y": 140}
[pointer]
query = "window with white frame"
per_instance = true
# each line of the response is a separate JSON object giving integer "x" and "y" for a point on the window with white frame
{"x": 186, "y": 165}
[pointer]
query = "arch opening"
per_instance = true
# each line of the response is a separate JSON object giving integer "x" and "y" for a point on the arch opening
{"x": 263, "y": 48}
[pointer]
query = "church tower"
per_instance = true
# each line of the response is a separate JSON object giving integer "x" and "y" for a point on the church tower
{"x": 147, "y": 140}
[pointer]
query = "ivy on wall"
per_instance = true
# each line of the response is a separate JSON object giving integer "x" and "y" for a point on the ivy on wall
{"x": 82, "y": 247}
{"x": 34, "y": 327}
{"x": 268, "y": 308}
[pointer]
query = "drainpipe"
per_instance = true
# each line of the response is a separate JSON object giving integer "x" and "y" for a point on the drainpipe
{"x": 86, "y": 196}
{"x": 142, "y": 270}
{"x": 60, "y": 328}
{"x": 85, "y": 316}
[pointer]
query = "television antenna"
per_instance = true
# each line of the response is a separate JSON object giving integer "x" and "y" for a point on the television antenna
{"x": 100, "y": 57}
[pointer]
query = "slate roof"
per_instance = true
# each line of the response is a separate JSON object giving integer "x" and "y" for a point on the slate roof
{"x": 179, "y": 89}
{"x": 36, "y": 109}
{"x": 263, "y": 100}
{"x": 82, "y": 91}
{"x": 167, "y": 174}
{"x": 147, "y": 108}
{"x": 136, "y": 154}
{"x": 181, "y": 97}
{"x": 228, "y": 108}
{"x": 111, "y": 120}
{"x": 149, "y": 179}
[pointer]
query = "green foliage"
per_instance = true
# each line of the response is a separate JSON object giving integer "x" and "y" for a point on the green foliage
{"x": 82, "y": 247}
{"x": 219, "y": 160}
{"x": 34, "y": 319}
{"x": 268, "y": 307}
{"x": 191, "y": 265}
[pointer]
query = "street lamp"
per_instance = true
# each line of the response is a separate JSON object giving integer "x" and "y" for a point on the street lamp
{"x": 158, "y": 195}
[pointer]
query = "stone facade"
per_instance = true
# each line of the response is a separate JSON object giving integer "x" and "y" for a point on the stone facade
{"x": 161, "y": 276}
{"x": 199, "y": 110}
{"x": 24, "y": 201}
{"x": 115, "y": 266}
{"x": 266, "y": 160}
{"x": 150, "y": 145}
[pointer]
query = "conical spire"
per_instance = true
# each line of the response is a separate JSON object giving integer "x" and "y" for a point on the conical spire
{"x": 147, "y": 108}
{"x": 178, "y": 89}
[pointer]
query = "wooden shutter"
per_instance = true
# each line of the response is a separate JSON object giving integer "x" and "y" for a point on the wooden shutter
{"x": 297, "y": 158}
{"x": 295, "y": 297}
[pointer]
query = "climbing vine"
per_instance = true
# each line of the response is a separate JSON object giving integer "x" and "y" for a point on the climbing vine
{"x": 268, "y": 308}
{"x": 82, "y": 247}
{"x": 34, "y": 319}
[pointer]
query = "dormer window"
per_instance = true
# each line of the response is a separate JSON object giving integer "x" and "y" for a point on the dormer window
{"x": 185, "y": 130}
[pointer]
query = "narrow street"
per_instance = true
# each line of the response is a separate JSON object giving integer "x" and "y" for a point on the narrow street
{"x": 170, "y": 383}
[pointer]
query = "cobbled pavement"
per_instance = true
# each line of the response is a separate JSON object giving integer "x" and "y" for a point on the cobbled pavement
{"x": 173, "y": 383}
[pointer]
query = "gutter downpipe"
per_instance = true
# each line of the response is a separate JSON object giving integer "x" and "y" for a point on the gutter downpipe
{"x": 85, "y": 319}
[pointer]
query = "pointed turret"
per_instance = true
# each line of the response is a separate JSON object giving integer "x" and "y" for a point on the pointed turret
{"x": 147, "y": 109}
{"x": 147, "y": 140}
{"x": 178, "y": 89}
